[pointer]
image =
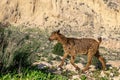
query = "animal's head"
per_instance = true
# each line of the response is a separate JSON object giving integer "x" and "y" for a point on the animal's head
{"x": 54, "y": 35}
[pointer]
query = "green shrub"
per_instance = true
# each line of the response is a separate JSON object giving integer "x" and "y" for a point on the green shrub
{"x": 58, "y": 49}
{"x": 83, "y": 77}
{"x": 31, "y": 74}
{"x": 104, "y": 78}
{"x": 97, "y": 63}
{"x": 18, "y": 47}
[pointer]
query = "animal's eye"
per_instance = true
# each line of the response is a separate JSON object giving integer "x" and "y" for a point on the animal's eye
{"x": 54, "y": 33}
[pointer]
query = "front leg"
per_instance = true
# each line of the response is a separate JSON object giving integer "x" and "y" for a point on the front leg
{"x": 72, "y": 62}
{"x": 64, "y": 57}
{"x": 88, "y": 62}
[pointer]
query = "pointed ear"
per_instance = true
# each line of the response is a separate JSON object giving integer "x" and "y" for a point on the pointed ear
{"x": 58, "y": 31}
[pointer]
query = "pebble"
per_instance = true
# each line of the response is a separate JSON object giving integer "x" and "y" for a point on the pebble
{"x": 76, "y": 77}
{"x": 102, "y": 74}
{"x": 111, "y": 75}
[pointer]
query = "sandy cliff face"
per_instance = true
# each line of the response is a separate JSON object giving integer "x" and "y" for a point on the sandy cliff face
{"x": 79, "y": 18}
{"x": 34, "y": 11}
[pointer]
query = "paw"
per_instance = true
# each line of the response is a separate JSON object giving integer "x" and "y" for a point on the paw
{"x": 83, "y": 71}
{"x": 59, "y": 68}
{"x": 77, "y": 68}
{"x": 104, "y": 69}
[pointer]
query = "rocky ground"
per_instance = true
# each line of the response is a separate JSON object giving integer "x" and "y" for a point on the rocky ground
{"x": 49, "y": 62}
{"x": 94, "y": 73}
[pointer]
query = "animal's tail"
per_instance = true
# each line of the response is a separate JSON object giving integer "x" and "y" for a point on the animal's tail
{"x": 100, "y": 40}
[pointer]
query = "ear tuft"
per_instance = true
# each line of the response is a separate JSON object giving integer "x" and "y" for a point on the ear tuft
{"x": 58, "y": 31}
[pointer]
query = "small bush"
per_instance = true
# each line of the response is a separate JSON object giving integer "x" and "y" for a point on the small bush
{"x": 58, "y": 49}
{"x": 18, "y": 47}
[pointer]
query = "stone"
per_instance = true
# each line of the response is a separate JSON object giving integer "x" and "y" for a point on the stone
{"x": 115, "y": 63}
{"x": 75, "y": 77}
{"x": 102, "y": 74}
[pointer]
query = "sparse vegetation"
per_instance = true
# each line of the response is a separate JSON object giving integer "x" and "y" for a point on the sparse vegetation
{"x": 96, "y": 62}
{"x": 17, "y": 48}
{"x": 58, "y": 49}
{"x": 20, "y": 47}
{"x": 31, "y": 74}
{"x": 83, "y": 77}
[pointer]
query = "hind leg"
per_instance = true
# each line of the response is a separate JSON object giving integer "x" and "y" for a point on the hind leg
{"x": 101, "y": 59}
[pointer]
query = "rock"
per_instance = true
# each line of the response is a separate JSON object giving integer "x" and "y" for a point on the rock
{"x": 114, "y": 63}
{"x": 110, "y": 67}
{"x": 75, "y": 77}
{"x": 115, "y": 54}
{"x": 42, "y": 65}
{"x": 92, "y": 68}
{"x": 111, "y": 74}
{"x": 72, "y": 68}
{"x": 119, "y": 70}
{"x": 102, "y": 74}
{"x": 116, "y": 78}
